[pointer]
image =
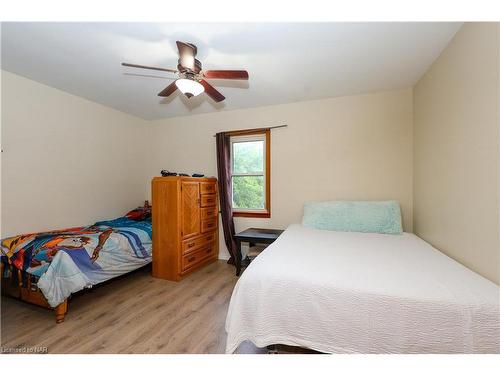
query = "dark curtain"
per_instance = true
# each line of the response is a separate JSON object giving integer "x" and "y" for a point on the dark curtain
{"x": 224, "y": 175}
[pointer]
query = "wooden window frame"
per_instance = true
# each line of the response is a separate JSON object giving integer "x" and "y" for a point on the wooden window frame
{"x": 266, "y": 212}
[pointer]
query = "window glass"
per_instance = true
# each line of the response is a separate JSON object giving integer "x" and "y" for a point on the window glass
{"x": 248, "y": 157}
{"x": 248, "y": 192}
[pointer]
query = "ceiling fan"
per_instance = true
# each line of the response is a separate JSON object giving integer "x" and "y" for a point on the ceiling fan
{"x": 191, "y": 81}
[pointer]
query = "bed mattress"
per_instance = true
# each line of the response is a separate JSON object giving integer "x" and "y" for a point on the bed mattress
{"x": 341, "y": 292}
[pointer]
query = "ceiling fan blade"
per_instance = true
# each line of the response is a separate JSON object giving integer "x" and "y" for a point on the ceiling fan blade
{"x": 226, "y": 74}
{"x": 169, "y": 90}
{"x": 150, "y": 67}
{"x": 212, "y": 92}
{"x": 187, "y": 52}
{"x": 186, "y": 48}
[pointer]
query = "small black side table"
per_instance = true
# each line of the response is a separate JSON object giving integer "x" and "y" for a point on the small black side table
{"x": 254, "y": 236}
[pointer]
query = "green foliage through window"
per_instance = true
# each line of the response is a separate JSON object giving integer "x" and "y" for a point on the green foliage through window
{"x": 248, "y": 175}
{"x": 248, "y": 192}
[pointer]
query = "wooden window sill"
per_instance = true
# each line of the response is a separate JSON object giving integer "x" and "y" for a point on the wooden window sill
{"x": 257, "y": 214}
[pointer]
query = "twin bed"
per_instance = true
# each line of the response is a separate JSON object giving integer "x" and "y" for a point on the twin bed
{"x": 47, "y": 268}
{"x": 348, "y": 292}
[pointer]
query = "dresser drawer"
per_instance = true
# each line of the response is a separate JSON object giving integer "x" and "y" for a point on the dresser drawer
{"x": 208, "y": 200}
{"x": 208, "y": 225}
{"x": 207, "y": 188}
{"x": 195, "y": 243}
{"x": 209, "y": 213}
{"x": 198, "y": 256}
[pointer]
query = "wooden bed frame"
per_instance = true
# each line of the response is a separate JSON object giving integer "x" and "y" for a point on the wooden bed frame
{"x": 13, "y": 287}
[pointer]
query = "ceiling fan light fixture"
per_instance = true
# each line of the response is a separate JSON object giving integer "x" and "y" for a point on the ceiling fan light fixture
{"x": 191, "y": 80}
{"x": 189, "y": 87}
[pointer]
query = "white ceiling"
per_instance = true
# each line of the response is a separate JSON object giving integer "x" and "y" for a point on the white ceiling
{"x": 287, "y": 62}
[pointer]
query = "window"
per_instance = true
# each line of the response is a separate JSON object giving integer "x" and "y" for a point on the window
{"x": 250, "y": 174}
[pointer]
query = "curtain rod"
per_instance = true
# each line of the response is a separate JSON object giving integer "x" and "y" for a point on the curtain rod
{"x": 244, "y": 130}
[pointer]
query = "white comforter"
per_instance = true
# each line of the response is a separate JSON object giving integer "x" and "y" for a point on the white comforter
{"x": 339, "y": 292}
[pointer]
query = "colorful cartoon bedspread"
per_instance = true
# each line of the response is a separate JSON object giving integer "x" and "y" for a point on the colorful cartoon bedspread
{"x": 69, "y": 260}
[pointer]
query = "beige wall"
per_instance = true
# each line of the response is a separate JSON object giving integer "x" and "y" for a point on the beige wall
{"x": 357, "y": 147}
{"x": 456, "y": 143}
{"x": 66, "y": 161}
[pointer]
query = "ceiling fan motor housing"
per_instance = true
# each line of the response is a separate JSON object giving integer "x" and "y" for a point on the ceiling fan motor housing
{"x": 184, "y": 65}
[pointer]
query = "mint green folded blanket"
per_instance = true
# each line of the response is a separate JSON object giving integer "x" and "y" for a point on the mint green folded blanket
{"x": 363, "y": 216}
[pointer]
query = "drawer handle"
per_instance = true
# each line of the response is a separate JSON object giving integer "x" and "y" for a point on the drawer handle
{"x": 210, "y": 225}
{"x": 209, "y": 238}
{"x": 208, "y": 250}
{"x": 191, "y": 244}
{"x": 191, "y": 259}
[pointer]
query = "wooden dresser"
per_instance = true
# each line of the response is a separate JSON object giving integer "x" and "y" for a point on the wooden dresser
{"x": 185, "y": 225}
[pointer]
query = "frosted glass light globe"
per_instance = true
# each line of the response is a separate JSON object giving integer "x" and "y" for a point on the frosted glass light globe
{"x": 189, "y": 87}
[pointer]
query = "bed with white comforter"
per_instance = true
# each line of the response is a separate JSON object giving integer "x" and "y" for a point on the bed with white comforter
{"x": 345, "y": 292}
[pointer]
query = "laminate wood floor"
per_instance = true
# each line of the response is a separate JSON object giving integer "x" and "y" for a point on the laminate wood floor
{"x": 132, "y": 314}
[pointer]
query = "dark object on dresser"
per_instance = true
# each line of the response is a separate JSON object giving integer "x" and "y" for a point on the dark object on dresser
{"x": 254, "y": 236}
{"x": 166, "y": 173}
